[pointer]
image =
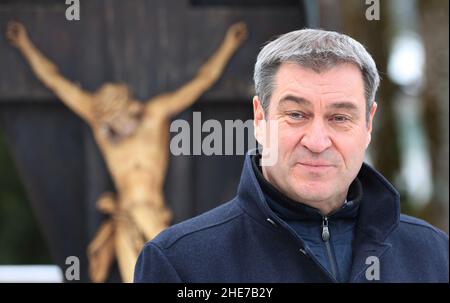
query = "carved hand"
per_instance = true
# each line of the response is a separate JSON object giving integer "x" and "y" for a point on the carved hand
{"x": 16, "y": 34}
{"x": 237, "y": 33}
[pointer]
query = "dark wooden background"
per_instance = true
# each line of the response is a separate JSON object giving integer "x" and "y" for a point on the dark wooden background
{"x": 153, "y": 46}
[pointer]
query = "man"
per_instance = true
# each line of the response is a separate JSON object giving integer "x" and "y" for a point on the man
{"x": 318, "y": 213}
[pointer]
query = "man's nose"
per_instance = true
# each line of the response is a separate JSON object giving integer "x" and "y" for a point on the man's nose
{"x": 316, "y": 137}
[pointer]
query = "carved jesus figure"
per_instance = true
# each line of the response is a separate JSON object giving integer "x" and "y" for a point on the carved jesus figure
{"x": 133, "y": 139}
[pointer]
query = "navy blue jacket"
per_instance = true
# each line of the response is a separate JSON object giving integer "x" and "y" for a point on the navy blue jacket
{"x": 243, "y": 240}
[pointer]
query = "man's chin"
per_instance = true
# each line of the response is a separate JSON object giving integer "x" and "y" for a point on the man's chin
{"x": 315, "y": 177}
{"x": 313, "y": 190}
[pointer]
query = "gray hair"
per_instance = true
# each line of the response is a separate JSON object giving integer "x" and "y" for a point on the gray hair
{"x": 319, "y": 50}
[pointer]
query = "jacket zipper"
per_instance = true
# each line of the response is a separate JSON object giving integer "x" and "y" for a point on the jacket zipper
{"x": 326, "y": 239}
{"x": 297, "y": 238}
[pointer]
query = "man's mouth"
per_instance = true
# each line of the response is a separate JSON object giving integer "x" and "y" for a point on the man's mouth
{"x": 315, "y": 166}
{"x": 316, "y": 163}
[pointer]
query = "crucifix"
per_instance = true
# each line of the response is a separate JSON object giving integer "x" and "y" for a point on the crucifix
{"x": 133, "y": 139}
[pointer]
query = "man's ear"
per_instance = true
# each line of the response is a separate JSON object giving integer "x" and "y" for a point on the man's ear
{"x": 370, "y": 123}
{"x": 258, "y": 120}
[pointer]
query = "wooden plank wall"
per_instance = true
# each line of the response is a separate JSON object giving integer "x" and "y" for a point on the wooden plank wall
{"x": 153, "y": 46}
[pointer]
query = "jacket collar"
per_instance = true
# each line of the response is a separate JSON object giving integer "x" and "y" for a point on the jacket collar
{"x": 379, "y": 210}
{"x": 379, "y": 215}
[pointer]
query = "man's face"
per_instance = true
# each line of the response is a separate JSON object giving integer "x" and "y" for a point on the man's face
{"x": 322, "y": 132}
{"x": 117, "y": 110}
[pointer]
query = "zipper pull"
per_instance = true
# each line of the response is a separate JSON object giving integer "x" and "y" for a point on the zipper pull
{"x": 325, "y": 230}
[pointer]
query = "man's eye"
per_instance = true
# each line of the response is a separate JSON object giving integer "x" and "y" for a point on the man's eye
{"x": 296, "y": 115}
{"x": 339, "y": 119}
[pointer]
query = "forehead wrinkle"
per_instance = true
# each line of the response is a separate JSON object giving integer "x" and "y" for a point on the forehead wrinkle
{"x": 319, "y": 86}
